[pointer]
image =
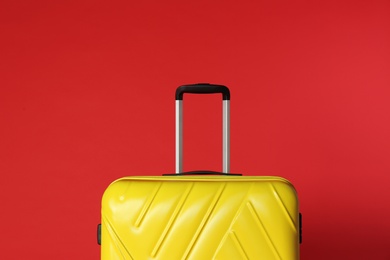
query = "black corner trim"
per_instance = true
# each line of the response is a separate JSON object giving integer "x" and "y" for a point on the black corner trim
{"x": 300, "y": 228}
{"x": 203, "y": 88}
{"x": 99, "y": 234}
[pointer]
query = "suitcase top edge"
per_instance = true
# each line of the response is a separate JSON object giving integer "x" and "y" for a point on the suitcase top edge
{"x": 203, "y": 178}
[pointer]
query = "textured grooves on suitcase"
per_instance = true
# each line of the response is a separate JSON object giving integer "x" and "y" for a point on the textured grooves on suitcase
{"x": 200, "y": 220}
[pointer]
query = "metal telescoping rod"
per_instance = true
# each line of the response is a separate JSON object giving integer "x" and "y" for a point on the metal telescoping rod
{"x": 179, "y": 136}
{"x": 226, "y": 136}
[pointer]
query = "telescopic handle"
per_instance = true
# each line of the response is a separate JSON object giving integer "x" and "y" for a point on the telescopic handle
{"x": 203, "y": 88}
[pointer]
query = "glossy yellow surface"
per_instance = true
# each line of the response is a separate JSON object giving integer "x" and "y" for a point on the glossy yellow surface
{"x": 184, "y": 217}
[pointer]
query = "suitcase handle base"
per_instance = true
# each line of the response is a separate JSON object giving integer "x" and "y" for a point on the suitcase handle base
{"x": 202, "y": 172}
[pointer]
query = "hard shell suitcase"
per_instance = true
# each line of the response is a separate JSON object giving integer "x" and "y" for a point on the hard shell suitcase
{"x": 200, "y": 215}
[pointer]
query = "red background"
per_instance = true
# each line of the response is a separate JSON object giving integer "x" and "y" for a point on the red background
{"x": 87, "y": 96}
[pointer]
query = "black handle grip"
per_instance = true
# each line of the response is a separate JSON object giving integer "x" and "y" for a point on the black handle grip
{"x": 202, "y": 88}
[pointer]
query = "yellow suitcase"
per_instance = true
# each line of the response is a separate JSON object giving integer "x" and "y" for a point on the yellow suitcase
{"x": 206, "y": 216}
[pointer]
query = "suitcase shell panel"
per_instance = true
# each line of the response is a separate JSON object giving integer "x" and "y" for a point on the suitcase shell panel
{"x": 200, "y": 217}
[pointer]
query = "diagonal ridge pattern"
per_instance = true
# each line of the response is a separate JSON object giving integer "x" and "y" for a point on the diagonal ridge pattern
{"x": 261, "y": 226}
{"x": 238, "y": 245}
{"x": 120, "y": 245}
{"x": 205, "y": 220}
{"x": 172, "y": 219}
{"x": 146, "y": 206}
{"x": 283, "y": 207}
